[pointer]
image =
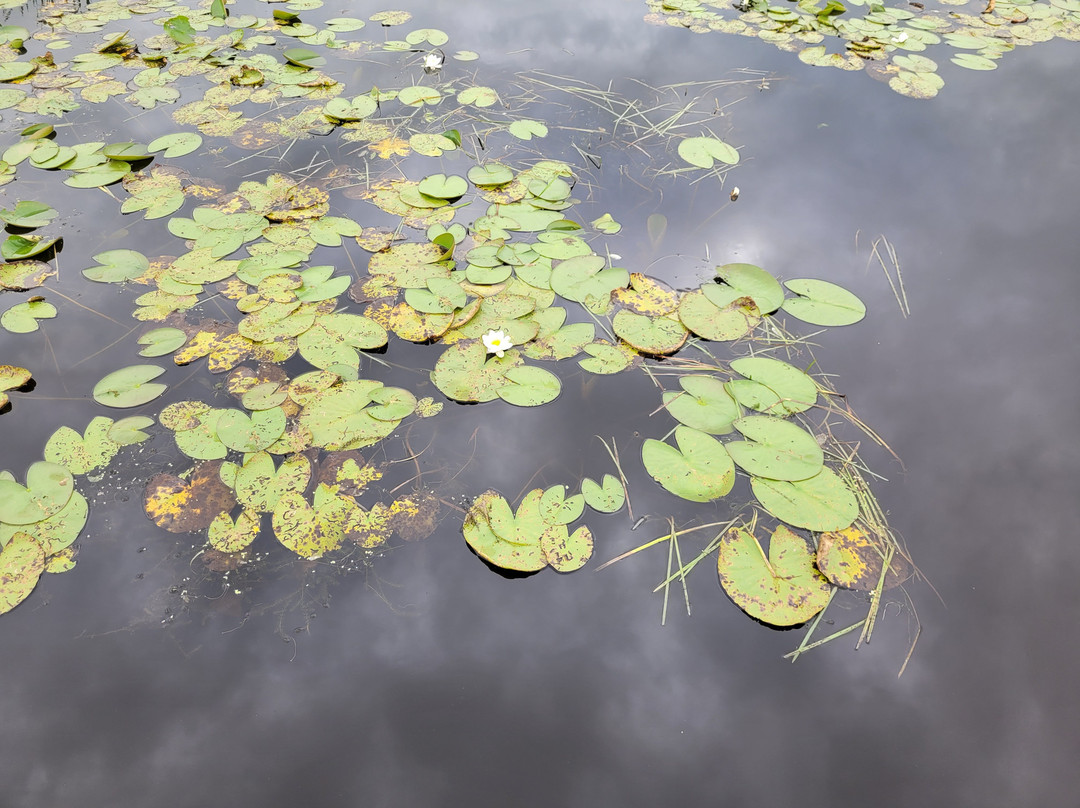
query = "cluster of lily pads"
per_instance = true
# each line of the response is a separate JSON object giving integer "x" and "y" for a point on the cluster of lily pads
{"x": 887, "y": 40}
{"x": 506, "y": 298}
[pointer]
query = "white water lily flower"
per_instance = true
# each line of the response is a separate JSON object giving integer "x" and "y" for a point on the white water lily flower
{"x": 434, "y": 60}
{"x": 497, "y": 342}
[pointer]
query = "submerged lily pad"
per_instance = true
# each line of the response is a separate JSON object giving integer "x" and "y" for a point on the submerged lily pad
{"x": 181, "y": 506}
{"x": 782, "y": 590}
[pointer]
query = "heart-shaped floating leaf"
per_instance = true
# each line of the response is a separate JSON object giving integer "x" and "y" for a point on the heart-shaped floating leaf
{"x": 48, "y": 489}
{"x": 494, "y": 547}
{"x": 608, "y": 496}
{"x": 651, "y": 335}
{"x": 587, "y": 279}
{"x": 313, "y": 530}
{"x": 418, "y": 96}
{"x": 81, "y": 454}
{"x": 704, "y": 404}
{"x": 15, "y": 248}
{"x": 181, "y": 506}
{"x": 21, "y": 563}
{"x": 19, "y": 276}
{"x": 783, "y": 590}
{"x": 28, "y": 213}
{"x": 259, "y": 486}
{"x": 527, "y": 129}
{"x": 771, "y": 386}
{"x": 558, "y": 509}
{"x": 127, "y": 431}
{"x": 251, "y": 434}
{"x": 490, "y": 174}
{"x": 823, "y": 303}
{"x": 338, "y": 420}
{"x": 441, "y": 186}
{"x": 161, "y": 341}
{"x": 820, "y": 503}
{"x": 354, "y": 109}
{"x": 605, "y": 359}
{"x": 177, "y": 144}
{"x": 56, "y": 532}
{"x": 463, "y": 372}
{"x": 231, "y": 536}
{"x": 528, "y": 386}
{"x": 852, "y": 558}
{"x": 22, "y": 317}
{"x": 99, "y": 176}
{"x": 700, "y": 470}
{"x": 777, "y": 449}
{"x": 116, "y": 266}
{"x": 745, "y": 280}
{"x": 132, "y": 386}
{"x": 564, "y": 551}
{"x": 703, "y": 151}
{"x": 719, "y": 323}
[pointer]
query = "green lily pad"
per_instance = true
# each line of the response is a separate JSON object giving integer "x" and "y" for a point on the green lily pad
{"x": 529, "y": 386}
{"x": 127, "y": 431}
{"x": 127, "y": 152}
{"x": 772, "y": 387}
{"x": 463, "y": 372}
{"x": 441, "y": 186}
{"x": 117, "y": 266}
{"x": 823, "y": 303}
{"x": 494, "y": 547}
{"x": 48, "y": 488}
{"x": 21, "y": 563}
{"x": 132, "y": 386}
{"x": 15, "y": 248}
{"x": 253, "y": 433}
{"x": 490, "y": 174}
{"x": 354, "y": 109}
{"x": 566, "y": 553}
{"x": 704, "y": 151}
{"x": 651, "y": 335}
{"x": 587, "y": 279}
{"x": 700, "y": 470}
{"x": 820, "y": 503}
{"x": 161, "y": 341}
{"x": 28, "y": 213}
{"x": 56, "y": 532}
{"x": 722, "y": 324}
{"x": 777, "y": 449}
{"x": 784, "y": 590}
{"x": 558, "y": 509}
{"x": 177, "y": 144}
{"x": 22, "y": 317}
{"x": 607, "y": 496}
{"x": 604, "y": 359}
{"x": 259, "y": 486}
{"x": 419, "y": 96}
{"x": 99, "y": 176}
{"x": 303, "y": 57}
{"x": 703, "y": 404}
{"x": 527, "y": 129}
{"x": 81, "y": 454}
{"x": 745, "y": 280}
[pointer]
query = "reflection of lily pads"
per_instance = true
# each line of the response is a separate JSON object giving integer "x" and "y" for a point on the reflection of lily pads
{"x": 783, "y": 590}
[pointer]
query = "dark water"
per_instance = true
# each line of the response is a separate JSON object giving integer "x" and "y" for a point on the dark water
{"x": 428, "y": 680}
